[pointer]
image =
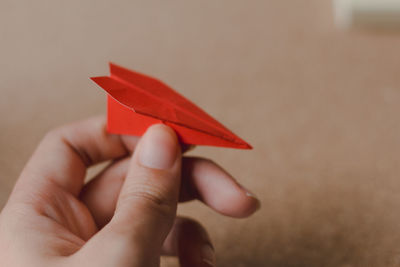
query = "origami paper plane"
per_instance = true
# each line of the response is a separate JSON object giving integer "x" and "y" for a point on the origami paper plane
{"x": 136, "y": 101}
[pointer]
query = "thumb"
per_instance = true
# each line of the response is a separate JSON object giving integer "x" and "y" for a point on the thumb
{"x": 147, "y": 204}
{"x": 148, "y": 199}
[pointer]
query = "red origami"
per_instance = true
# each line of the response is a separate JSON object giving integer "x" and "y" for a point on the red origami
{"x": 136, "y": 101}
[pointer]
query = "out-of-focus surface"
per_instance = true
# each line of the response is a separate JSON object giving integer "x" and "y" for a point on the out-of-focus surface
{"x": 320, "y": 106}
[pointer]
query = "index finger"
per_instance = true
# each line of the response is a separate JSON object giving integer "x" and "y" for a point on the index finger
{"x": 65, "y": 153}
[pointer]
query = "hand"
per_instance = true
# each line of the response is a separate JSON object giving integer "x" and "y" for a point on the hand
{"x": 126, "y": 215}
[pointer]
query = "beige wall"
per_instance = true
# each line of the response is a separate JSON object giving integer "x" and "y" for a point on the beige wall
{"x": 321, "y": 108}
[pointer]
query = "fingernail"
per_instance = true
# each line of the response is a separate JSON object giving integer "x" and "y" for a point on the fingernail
{"x": 158, "y": 148}
{"x": 258, "y": 206}
{"x": 253, "y": 196}
{"x": 247, "y": 191}
{"x": 250, "y": 194}
{"x": 208, "y": 255}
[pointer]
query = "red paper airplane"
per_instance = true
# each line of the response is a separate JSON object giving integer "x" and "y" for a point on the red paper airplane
{"x": 136, "y": 101}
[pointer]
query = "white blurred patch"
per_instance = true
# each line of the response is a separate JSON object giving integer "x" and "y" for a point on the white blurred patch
{"x": 378, "y": 14}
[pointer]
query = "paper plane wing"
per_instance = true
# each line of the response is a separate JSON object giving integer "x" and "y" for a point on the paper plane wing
{"x": 136, "y": 101}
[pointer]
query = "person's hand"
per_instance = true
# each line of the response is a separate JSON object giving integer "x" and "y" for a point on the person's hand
{"x": 126, "y": 215}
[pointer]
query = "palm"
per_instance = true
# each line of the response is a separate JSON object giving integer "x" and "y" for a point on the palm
{"x": 69, "y": 222}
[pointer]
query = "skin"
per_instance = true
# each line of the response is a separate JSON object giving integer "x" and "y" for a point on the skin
{"x": 126, "y": 215}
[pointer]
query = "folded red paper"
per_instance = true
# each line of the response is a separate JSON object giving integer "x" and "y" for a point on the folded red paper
{"x": 136, "y": 101}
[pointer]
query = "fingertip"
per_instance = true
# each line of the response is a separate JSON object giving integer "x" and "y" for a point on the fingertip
{"x": 159, "y": 147}
{"x": 249, "y": 204}
{"x": 238, "y": 204}
{"x": 219, "y": 190}
{"x": 131, "y": 142}
{"x": 160, "y": 127}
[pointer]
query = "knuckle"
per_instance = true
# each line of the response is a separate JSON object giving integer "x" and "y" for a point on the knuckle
{"x": 149, "y": 197}
{"x": 192, "y": 163}
{"x": 53, "y": 133}
{"x": 62, "y": 135}
{"x": 208, "y": 161}
{"x": 56, "y": 134}
{"x": 205, "y": 161}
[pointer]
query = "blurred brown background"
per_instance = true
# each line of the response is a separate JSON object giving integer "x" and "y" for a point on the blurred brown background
{"x": 320, "y": 106}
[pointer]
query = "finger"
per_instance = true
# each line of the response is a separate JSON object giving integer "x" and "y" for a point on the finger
{"x": 217, "y": 188}
{"x": 190, "y": 242}
{"x": 151, "y": 187}
{"x": 100, "y": 195}
{"x": 201, "y": 178}
{"x": 146, "y": 207}
{"x": 64, "y": 154}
